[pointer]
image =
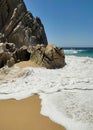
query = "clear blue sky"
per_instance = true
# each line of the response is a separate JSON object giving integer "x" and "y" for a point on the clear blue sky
{"x": 66, "y": 22}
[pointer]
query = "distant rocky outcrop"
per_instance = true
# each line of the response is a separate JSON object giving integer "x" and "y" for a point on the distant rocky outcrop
{"x": 18, "y": 26}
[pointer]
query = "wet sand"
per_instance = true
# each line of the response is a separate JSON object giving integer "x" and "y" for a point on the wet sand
{"x": 24, "y": 115}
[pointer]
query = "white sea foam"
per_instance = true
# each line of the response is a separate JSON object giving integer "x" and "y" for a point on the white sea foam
{"x": 67, "y": 93}
{"x": 73, "y": 51}
{"x": 70, "y": 51}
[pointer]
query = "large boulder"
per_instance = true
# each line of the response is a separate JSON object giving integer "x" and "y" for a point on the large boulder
{"x": 48, "y": 56}
{"x": 18, "y": 26}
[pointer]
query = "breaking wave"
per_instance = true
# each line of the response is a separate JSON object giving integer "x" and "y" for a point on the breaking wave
{"x": 83, "y": 53}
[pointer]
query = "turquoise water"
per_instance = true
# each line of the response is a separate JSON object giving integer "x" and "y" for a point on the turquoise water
{"x": 81, "y": 52}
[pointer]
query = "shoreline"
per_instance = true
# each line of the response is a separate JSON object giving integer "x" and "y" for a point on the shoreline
{"x": 24, "y": 115}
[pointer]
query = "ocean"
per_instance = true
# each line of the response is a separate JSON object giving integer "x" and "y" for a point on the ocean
{"x": 66, "y": 94}
{"x": 79, "y": 51}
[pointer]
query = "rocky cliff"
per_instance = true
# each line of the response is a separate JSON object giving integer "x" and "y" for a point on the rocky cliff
{"x": 18, "y": 26}
{"x": 22, "y": 37}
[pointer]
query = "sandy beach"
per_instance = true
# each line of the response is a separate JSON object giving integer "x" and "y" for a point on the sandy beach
{"x": 24, "y": 115}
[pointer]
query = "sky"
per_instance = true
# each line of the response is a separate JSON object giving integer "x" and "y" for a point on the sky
{"x": 67, "y": 23}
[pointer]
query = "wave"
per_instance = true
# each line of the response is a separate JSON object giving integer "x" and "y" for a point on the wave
{"x": 70, "y": 52}
{"x": 85, "y": 53}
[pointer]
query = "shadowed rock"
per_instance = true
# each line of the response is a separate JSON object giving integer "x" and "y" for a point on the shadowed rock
{"x": 21, "y": 54}
{"x": 9, "y": 54}
{"x": 4, "y": 55}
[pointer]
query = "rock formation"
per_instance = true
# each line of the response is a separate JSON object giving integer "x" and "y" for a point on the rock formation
{"x": 18, "y": 26}
{"x": 22, "y": 37}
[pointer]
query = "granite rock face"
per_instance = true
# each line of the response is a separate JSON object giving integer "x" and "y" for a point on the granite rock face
{"x": 18, "y": 26}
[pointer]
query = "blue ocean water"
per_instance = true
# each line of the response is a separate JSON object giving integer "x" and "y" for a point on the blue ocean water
{"x": 81, "y": 52}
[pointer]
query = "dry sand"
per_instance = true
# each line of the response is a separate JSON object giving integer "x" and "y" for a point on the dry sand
{"x": 24, "y": 64}
{"x": 24, "y": 115}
